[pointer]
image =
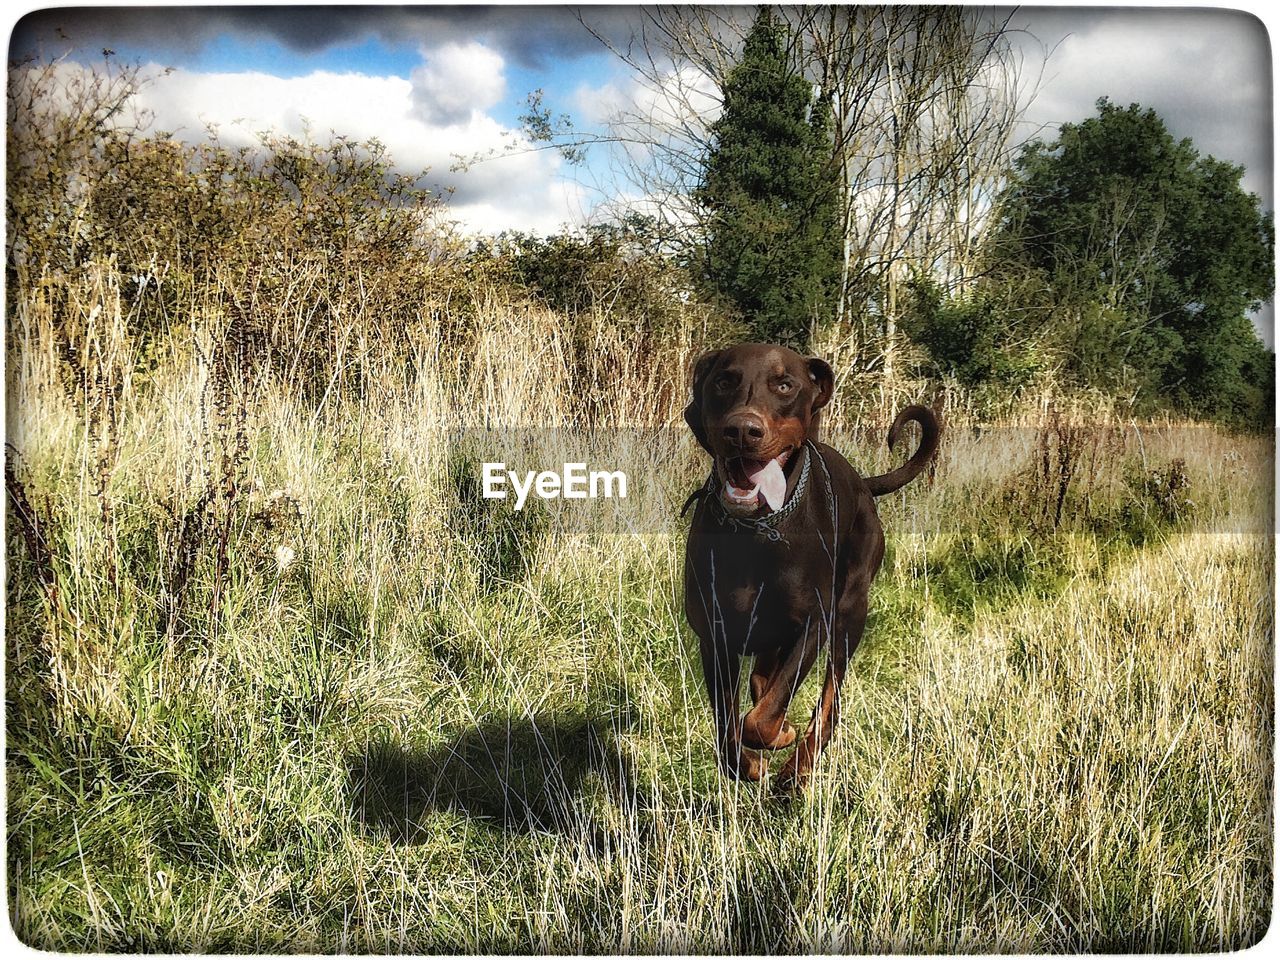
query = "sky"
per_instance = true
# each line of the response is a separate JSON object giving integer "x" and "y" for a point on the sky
{"x": 435, "y": 83}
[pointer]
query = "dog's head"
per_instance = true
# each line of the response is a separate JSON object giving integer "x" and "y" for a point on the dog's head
{"x": 753, "y": 407}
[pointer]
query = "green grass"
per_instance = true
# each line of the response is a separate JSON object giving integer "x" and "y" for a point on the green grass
{"x": 414, "y": 741}
{"x": 446, "y": 727}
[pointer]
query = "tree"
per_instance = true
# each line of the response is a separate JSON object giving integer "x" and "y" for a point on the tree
{"x": 1154, "y": 255}
{"x": 63, "y": 120}
{"x": 924, "y": 103}
{"x": 926, "y": 100}
{"x": 974, "y": 335}
{"x": 770, "y": 192}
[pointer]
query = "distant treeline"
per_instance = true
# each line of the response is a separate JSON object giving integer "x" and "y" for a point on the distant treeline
{"x": 1114, "y": 259}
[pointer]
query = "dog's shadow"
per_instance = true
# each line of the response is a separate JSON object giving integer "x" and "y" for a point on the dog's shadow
{"x": 514, "y": 774}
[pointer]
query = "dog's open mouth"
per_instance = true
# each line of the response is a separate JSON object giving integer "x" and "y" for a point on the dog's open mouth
{"x": 748, "y": 481}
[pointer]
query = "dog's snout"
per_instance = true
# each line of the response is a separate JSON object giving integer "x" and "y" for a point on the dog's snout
{"x": 744, "y": 430}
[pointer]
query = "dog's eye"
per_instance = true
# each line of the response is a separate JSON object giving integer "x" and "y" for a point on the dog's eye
{"x": 724, "y": 382}
{"x": 784, "y": 386}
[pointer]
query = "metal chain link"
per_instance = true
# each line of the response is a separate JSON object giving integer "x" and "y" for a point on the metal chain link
{"x": 765, "y": 526}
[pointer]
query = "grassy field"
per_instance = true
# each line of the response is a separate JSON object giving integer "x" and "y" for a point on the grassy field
{"x": 277, "y": 679}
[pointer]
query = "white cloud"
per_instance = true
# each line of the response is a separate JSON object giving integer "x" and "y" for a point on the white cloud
{"x": 523, "y": 191}
{"x": 242, "y": 104}
{"x": 541, "y": 208}
{"x": 684, "y": 97}
{"x": 455, "y": 80}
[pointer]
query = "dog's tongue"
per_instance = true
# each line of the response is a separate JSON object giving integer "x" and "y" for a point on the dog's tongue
{"x": 771, "y": 482}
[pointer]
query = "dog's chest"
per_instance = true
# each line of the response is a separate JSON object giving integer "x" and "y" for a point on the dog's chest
{"x": 759, "y": 591}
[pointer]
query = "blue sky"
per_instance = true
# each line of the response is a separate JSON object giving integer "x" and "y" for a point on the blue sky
{"x": 433, "y": 82}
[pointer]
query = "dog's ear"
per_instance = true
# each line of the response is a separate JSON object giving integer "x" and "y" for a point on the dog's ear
{"x": 693, "y": 412}
{"x": 823, "y": 377}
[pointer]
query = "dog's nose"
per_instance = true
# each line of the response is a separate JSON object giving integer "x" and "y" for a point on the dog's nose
{"x": 744, "y": 430}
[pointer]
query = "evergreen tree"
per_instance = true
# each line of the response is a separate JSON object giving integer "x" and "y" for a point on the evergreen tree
{"x": 770, "y": 195}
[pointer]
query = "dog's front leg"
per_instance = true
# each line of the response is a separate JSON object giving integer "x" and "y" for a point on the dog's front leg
{"x": 851, "y": 620}
{"x": 776, "y": 678}
{"x": 722, "y": 669}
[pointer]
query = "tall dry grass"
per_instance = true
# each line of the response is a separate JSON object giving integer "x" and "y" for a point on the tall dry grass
{"x": 278, "y": 679}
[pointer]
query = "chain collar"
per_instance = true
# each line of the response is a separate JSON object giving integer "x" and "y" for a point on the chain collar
{"x": 765, "y": 526}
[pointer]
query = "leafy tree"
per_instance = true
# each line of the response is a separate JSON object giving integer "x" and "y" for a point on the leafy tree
{"x": 1153, "y": 254}
{"x": 974, "y": 336}
{"x": 770, "y": 194}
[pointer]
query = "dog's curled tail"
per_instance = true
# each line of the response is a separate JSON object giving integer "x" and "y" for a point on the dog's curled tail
{"x": 930, "y": 432}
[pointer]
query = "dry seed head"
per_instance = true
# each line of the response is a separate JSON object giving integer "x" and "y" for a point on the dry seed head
{"x": 285, "y": 557}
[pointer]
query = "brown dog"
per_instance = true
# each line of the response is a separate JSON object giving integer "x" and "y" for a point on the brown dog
{"x": 783, "y": 546}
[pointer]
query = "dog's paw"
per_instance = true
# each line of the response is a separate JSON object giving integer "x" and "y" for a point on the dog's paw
{"x": 791, "y": 781}
{"x": 755, "y": 738}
